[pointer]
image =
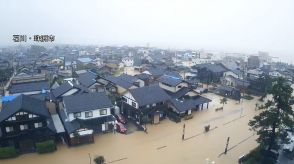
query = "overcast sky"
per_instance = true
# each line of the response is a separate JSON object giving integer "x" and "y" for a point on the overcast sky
{"x": 234, "y": 25}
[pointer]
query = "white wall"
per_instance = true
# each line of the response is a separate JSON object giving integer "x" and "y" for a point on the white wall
{"x": 173, "y": 89}
{"x": 130, "y": 99}
{"x": 96, "y": 114}
{"x": 232, "y": 74}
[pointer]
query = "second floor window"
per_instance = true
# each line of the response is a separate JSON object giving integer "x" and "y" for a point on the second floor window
{"x": 9, "y": 129}
{"x": 124, "y": 99}
{"x": 77, "y": 115}
{"x": 134, "y": 104}
{"x": 38, "y": 124}
{"x": 103, "y": 111}
{"x": 24, "y": 127}
{"x": 88, "y": 114}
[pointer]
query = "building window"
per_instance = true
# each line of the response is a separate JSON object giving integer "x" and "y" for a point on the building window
{"x": 88, "y": 114}
{"x": 24, "y": 127}
{"x": 124, "y": 99}
{"x": 77, "y": 115}
{"x": 9, "y": 129}
{"x": 32, "y": 116}
{"x": 103, "y": 111}
{"x": 38, "y": 124}
{"x": 13, "y": 118}
{"x": 134, "y": 104}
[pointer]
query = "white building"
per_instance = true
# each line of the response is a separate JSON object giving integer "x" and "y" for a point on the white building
{"x": 128, "y": 62}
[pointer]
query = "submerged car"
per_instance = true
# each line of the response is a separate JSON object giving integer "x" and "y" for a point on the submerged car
{"x": 121, "y": 128}
{"x": 120, "y": 118}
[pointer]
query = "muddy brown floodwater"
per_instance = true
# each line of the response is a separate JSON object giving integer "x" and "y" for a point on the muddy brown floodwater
{"x": 163, "y": 143}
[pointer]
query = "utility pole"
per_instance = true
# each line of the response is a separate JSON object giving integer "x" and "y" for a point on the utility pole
{"x": 226, "y": 149}
{"x": 90, "y": 158}
{"x": 183, "y": 135}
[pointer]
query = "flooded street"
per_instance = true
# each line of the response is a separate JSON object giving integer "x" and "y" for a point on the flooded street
{"x": 163, "y": 143}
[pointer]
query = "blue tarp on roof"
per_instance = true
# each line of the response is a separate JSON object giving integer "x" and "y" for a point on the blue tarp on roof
{"x": 8, "y": 98}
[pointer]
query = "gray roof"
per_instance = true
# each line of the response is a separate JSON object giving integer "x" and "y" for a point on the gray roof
{"x": 182, "y": 105}
{"x": 24, "y": 103}
{"x": 87, "y": 79}
{"x": 237, "y": 72}
{"x": 170, "y": 80}
{"x": 86, "y": 102}
{"x": 57, "y": 123}
{"x": 29, "y": 87}
{"x": 149, "y": 95}
{"x": 70, "y": 127}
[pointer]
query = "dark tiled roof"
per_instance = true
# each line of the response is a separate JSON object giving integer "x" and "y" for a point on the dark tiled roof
{"x": 156, "y": 71}
{"x": 87, "y": 79}
{"x": 124, "y": 80}
{"x": 66, "y": 86}
{"x": 241, "y": 82}
{"x": 143, "y": 76}
{"x": 186, "y": 104}
{"x": 170, "y": 80}
{"x": 149, "y": 95}
{"x": 180, "y": 93}
{"x": 86, "y": 102}
{"x": 216, "y": 68}
{"x": 29, "y": 87}
{"x": 24, "y": 103}
{"x": 41, "y": 96}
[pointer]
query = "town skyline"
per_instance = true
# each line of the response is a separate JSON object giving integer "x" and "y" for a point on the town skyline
{"x": 244, "y": 26}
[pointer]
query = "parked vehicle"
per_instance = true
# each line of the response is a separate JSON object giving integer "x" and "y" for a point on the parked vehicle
{"x": 121, "y": 128}
{"x": 120, "y": 118}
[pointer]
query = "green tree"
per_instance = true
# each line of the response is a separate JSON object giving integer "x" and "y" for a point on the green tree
{"x": 99, "y": 160}
{"x": 276, "y": 115}
{"x": 223, "y": 101}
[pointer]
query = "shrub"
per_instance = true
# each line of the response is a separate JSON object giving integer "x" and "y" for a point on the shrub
{"x": 99, "y": 160}
{"x": 46, "y": 146}
{"x": 188, "y": 117}
{"x": 256, "y": 156}
{"x": 8, "y": 152}
{"x": 247, "y": 97}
